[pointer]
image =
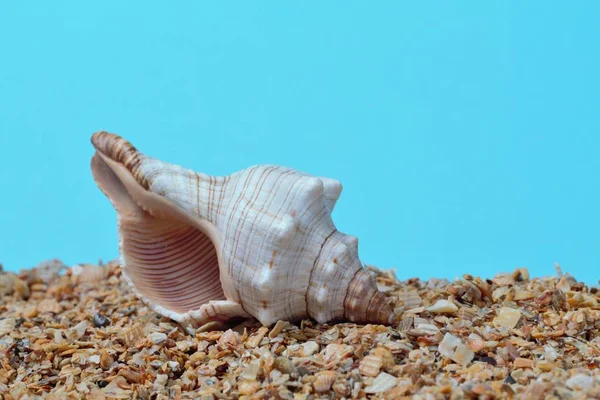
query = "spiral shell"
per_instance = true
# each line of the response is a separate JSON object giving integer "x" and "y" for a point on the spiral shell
{"x": 257, "y": 243}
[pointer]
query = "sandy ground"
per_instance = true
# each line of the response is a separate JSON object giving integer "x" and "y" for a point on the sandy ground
{"x": 82, "y": 333}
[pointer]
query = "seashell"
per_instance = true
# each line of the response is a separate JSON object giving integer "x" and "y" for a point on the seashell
{"x": 409, "y": 298}
{"x": 30, "y": 312}
{"x": 309, "y": 348}
{"x": 257, "y": 243}
{"x": 7, "y": 325}
{"x": 252, "y": 371}
{"x": 475, "y": 342}
{"x": 157, "y": 337}
{"x": 452, "y": 347}
{"x": 76, "y": 332}
{"x": 229, "y": 340}
{"x": 426, "y": 329}
{"x": 463, "y": 355}
{"x": 277, "y": 329}
{"x": 46, "y": 271}
{"x": 10, "y": 283}
{"x": 523, "y": 363}
{"x": 89, "y": 273}
{"x": 247, "y": 388}
{"x": 22, "y": 289}
{"x": 382, "y": 383}
{"x": 105, "y": 359}
{"x": 115, "y": 389}
{"x": 507, "y": 318}
{"x": 370, "y": 365}
{"x": 581, "y": 382}
{"x": 336, "y": 351}
{"x": 324, "y": 381}
{"x": 284, "y": 365}
{"x": 386, "y": 356}
{"x": 256, "y": 337}
{"x": 341, "y": 388}
{"x": 49, "y": 305}
{"x": 442, "y": 307}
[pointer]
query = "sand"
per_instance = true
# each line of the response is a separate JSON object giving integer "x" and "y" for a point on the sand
{"x": 81, "y": 333}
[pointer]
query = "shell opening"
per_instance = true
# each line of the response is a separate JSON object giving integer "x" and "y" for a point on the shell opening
{"x": 171, "y": 261}
{"x": 172, "y": 265}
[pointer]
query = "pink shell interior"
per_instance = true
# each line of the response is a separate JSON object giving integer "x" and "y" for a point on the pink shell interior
{"x": 170, "y": 262}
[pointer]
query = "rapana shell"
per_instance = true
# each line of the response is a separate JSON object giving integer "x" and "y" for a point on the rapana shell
{"x": 259, "y": 242}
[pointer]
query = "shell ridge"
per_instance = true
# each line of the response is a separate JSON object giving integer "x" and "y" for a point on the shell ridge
{"x": 313, "y": 226}
{"x": 303, "y": 245}
{"x": 315, "y": 195}
{"x": 229, "y": 224}
{"x": 247, "y": 206}
{"x": 263, "y": 178}
{"x": 369, "y": 305}
{"x": 210, "y": 194}
{"x": 348, "y": 292}
{"x": 332, "y": 190}
{"x": 262, "y": 280}
{"x": 281, "y": 239}
{"x": 269, "y": 227}
{"x": 226, "y": 181}
{"x": 215, "y": 188}
{"x": 197, "y": 194}
{"x": 334, "y": 270}
{"x": 310, "y": 282}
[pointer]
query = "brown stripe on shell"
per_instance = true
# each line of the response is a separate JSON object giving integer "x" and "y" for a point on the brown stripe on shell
{"x": 364, "y": 302}
{"x": 120, "y": 150}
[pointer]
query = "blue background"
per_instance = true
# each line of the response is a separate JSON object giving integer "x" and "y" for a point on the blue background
{"x": 466, "y": 136}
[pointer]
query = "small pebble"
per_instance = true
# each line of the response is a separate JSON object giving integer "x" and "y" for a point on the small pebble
{"x": 443, "y": 307}
{"x": 157, "y": 337}
{"x": 582, "y": 382}
{"x": 100, "y": 320}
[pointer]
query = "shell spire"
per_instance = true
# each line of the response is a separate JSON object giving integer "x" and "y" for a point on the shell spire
{"x": 121, "y": 151}
{"x": 364, "y": 303}
{"x": 257, "y": 243}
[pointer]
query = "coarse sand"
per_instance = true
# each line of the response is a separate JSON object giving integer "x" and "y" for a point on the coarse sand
{"x": 81, "y": 333}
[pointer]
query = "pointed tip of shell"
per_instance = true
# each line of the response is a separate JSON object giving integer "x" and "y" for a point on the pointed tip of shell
{"x": 380, "y": 309}
{"x": 332, "y": 190}
{"x": 111, "y": 144}
{"x": 121, "y": 151}
{"x": 365, "y": 303}
{"x": 313, "y": 188}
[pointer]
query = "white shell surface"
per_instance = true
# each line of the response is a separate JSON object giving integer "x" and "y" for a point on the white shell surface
{"x": 273, "y": 222}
